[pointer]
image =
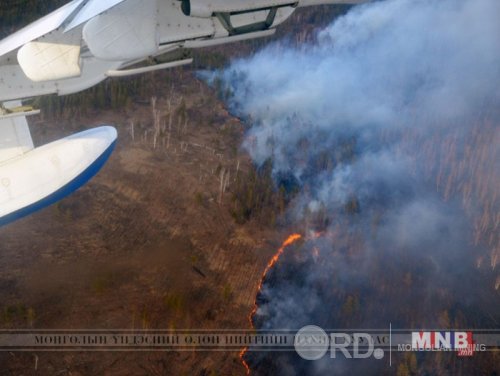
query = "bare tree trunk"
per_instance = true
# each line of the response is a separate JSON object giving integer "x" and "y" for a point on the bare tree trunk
{"x": 132, "y": 130}
{"x": 221, "y": 190}
{"x": 226, "y": 181}
{"x": 156, "y": 121}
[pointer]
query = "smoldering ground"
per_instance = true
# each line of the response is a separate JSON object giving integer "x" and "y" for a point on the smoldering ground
{"x": 388, "y": 124}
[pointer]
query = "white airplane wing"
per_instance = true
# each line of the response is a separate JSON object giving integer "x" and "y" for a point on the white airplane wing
{"x": 86, "y": 41}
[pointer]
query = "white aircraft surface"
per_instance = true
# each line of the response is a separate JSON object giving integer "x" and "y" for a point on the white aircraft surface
{"x": 81, "y": 44}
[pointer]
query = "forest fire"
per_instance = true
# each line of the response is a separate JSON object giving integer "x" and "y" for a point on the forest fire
{"x": 403, "y": 180}
{"x": 288, "y": 241}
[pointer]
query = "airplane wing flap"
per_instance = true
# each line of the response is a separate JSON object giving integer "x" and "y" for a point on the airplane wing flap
{"x": 38, "y": 28}
{"x": 91, "y": 9}
{"x": 15, "y": 137}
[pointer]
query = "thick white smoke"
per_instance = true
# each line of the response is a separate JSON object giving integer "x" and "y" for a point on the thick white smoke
{"x": 389, "y": 64}
{"x": 380, "y": 121}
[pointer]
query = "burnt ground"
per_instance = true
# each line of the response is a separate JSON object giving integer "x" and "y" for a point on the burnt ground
{"x": 145, "y": 244}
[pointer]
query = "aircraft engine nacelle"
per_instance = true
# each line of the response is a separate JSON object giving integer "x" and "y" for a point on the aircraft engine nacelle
{"x": 128, "y": 31}
{"x": 207, "y": 8}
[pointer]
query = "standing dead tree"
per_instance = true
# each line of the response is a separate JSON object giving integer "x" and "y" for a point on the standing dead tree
{"x": 224, "y": 182}
{"x": 156, "y": 121}
{"x": 132, "y": 130}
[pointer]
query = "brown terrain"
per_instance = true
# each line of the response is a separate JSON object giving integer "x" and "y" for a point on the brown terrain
{"x": 148, "y": 243}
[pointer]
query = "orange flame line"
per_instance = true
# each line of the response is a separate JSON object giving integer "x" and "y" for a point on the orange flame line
{"x": 243, "y": 361}
{"x": 289, "y": 241}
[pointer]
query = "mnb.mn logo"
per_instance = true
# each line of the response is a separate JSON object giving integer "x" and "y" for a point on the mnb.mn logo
{"x": 462, "y": 342}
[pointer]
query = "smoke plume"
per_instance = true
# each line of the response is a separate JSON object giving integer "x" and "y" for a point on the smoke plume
{"x": 388, "y": 124}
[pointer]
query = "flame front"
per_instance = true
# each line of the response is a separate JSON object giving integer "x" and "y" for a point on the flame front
{"x": 289, "y": 241}
{"x": 243, "y": 361}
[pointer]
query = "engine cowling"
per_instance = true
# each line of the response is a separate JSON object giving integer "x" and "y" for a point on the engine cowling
{"x": 129, "y": 31}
